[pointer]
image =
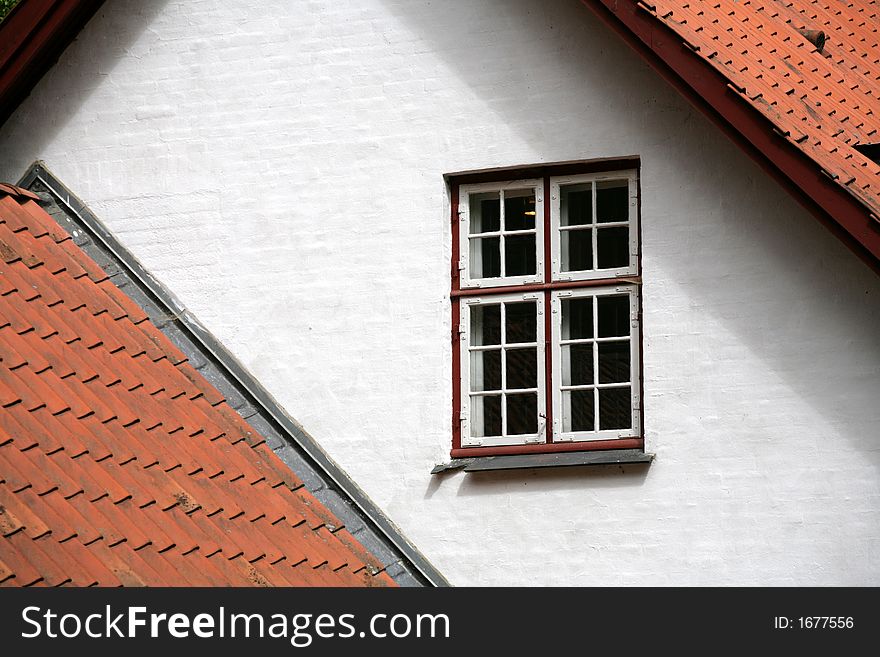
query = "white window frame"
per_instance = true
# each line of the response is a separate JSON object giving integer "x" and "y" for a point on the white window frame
{"x": 464, "y": 329}
{"x": 464, "y": 205}
{"x": 556, "y": 183}
{"x": 635, "y": 374}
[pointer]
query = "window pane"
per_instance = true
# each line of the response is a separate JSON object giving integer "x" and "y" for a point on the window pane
{"x": 612, "y": 247}
{"x": 577, "y": 318}
{"x": 613, "y": 315}
{"x": 521, "y": 323}
{"x": 577, "y": 249}
{"x": 485, "y": 325}
{"x": 577, "y": 411}
{"x": 612, "y": 201}
{"x": 577, "y": 205}
{"x": 522, "y": 414}
{"x": 577, "y": 365}
{"x": 522, "y": 368}
{"x": 486, "y": 416}
{"x": 614, "y": 362}
{"x": 615, "y": 411}
{"x": 485, "y": 370}
{"x": 485, "y": 211}
{"x": 519, "y": 209}
{"x": 486, "y": 257}
{"x": 519, "y": 255}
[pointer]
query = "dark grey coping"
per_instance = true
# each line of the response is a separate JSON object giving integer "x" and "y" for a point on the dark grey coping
{"x": 554, "y": 460}
{"x": 324, "y": 478}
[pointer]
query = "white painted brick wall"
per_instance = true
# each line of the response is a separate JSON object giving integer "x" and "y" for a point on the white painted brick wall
{"x": 279, "y": 166}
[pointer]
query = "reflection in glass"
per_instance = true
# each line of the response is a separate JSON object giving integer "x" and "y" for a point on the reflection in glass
{"x": 577, "y": 318}
{"x": 614, "y": 362}
{"x": 577, "y": 365}
{"x": 522, "y": 368}
{"x": 485, "y": 370}
{"x": 577, "y": 250}
{"x": 485, "y": 211}
{"x": 519, "y": 255}
{"x": 576, "y": 205}
{"x": 612, "y": 247}
{"x": 613, "y": 315}
{"x": 522, "y": 414}
{"x": 519, "y": 209}
{"x": 521, "y": 324}
{"x": 486, "y": 416}
{"x": 485, "y": 325}
{"x": 577, "y": 411}
{"x": 485, "y": 257}
{"x": 612, "y": 201}
{"x": 615, "y": 410}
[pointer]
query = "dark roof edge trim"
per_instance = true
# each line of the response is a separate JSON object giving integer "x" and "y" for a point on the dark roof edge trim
{"x": 712, "y": 93}
{"x": 291, "y": 429}
{"x": 32, "y": 37}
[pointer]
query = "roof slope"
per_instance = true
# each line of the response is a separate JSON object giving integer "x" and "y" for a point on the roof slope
{"x": 820, "y": 101}
{"x": 119, "y": 462}
{"x": 32, "y": 37}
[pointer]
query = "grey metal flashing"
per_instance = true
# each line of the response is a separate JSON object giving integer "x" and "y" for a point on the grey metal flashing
{"x": 293, "y": 445}
{"x": 553, "y": 460}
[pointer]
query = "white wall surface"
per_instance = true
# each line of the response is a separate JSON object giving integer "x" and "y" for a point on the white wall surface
{"x": 279, "y": 166}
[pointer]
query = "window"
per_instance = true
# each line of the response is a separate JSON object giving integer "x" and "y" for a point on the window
{"x": 546, "y": 308}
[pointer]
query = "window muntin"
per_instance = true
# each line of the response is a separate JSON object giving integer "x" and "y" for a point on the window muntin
{"x": 594, "y": 231}
{"x": 501, "y": 234}
{"x": 502, "y": 357}
{"x": 595, "y": 364}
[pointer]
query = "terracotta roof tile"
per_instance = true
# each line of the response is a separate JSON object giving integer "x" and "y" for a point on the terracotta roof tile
{"x": 825, "y": 102}
{"x": 119, "y": 462}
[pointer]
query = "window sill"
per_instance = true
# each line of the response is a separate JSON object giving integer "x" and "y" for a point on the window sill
{"x": 552, "y": 460}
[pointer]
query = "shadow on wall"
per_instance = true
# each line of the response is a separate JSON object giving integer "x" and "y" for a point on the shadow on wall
{"x": 788, "y": 255}
{"x": 543, "y": 480}
{"x": 81, "y": 69}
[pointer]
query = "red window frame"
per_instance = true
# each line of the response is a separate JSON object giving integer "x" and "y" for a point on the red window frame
{"x": 457, "y": 293}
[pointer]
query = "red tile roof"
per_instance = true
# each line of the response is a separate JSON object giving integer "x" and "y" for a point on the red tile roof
{"x": 119, "y": 462}
{"x": 32, "y": 37}
{"x": 818, "y": 101}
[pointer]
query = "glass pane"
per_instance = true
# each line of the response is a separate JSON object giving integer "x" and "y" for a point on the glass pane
{"x": 485, "y": 325}
{"x": 613, "y": 315}
{"x": 577, "y": 365}
{"x": 577, "y": 411}
{"x": 577, "y": 205}
{"x": 577, "y": 318}
{"x": 485, "y": 370}
{"x": 522, "y": 368}
{"x": 615, "y": 411}
{"x": 486, "y": 416}
{"x": 486, "y": 257}
{"x": 614, "y": 362}
{"x": 577, "y": 249}
{"x": 519, "y": 255}
{"x": 612, "y": 247}
{"x": 521, "y": 322}
{"x": 612, "y": 201}
{"x": 485, "y": 210}
{"x": 522, "y": 414}
{"x": 519, "y": 209}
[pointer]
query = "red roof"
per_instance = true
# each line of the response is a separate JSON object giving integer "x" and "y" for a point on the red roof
{"x": 32, "y": 37}
{"x": 119, "y": 462}
{"x": 814, "y": 103}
